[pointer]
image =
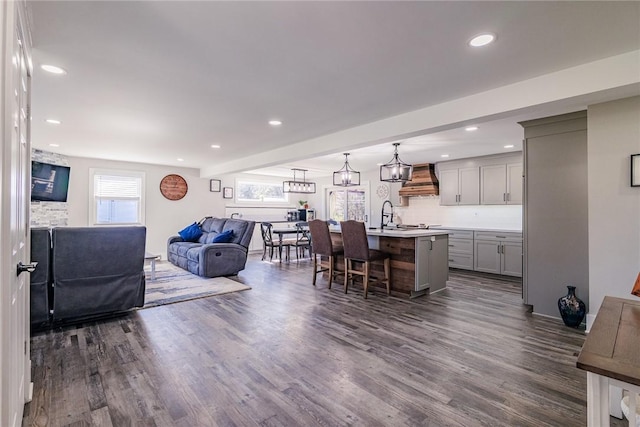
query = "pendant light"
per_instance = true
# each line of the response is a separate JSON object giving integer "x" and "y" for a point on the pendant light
{"x": 396, "y": 170}
{"x": 295, "y": 186}
{"x": 346, "y": 176}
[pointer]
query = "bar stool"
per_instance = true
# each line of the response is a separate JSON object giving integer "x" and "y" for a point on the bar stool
{"x": 356, "y": 248}
{"x": 321, "y": 245}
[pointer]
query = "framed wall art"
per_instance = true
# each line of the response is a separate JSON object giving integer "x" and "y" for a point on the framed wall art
{"x": 227, "y": 193}
{"x": 635, "y": 170}
{"x": 214, "y": 185}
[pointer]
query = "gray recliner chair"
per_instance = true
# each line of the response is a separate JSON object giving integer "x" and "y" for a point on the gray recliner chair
{"x": 97, "y": 270}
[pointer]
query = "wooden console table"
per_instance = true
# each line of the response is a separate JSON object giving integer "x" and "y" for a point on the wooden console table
{"x": 611, "y": 357}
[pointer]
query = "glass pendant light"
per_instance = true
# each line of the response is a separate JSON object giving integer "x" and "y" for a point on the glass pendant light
{"x": 396, "y": 170}
{"x": 346, "y": 176}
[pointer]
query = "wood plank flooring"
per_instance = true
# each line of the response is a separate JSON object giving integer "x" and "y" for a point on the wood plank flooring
{"x": 289, "y": 354}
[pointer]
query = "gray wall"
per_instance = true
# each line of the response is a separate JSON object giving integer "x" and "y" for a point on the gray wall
{"x": 614, "y": 206}
{"x": 555, "y": 211}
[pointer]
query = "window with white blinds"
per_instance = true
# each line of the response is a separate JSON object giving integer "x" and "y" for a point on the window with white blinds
{"x": 117, "y": 197}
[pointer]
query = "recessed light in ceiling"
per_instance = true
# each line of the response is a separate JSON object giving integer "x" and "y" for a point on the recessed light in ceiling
{"x": 444, "y": 155}
{"x": 275, "y": 122}
{"x": 509, "y": 146}
{"x": 180, "y": 160}
{"x": 471, "y": 128}
{"x": 53, "y": 121}
{"x": 54, "y": 145}
{"x": 53, "y": 69}
{"x": 215, "y": 146}
{"x": 482, "y": 40}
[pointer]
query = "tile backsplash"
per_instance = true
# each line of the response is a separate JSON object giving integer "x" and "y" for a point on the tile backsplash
{"x": 427, "y": 210}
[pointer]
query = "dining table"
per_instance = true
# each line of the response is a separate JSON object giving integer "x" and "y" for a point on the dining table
{"x": 281, "y": 232}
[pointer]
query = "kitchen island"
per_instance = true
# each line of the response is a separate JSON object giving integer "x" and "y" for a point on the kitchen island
{"x": 419, "y": 258}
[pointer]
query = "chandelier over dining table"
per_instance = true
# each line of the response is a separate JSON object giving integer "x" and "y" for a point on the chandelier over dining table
{"x": 297, "y": 186}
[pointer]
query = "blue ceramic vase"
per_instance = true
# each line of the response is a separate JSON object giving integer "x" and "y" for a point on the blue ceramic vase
{"x": 572, "y": 309}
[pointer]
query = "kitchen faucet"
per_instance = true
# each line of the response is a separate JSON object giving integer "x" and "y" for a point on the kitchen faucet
{"x": 383, "y": 215}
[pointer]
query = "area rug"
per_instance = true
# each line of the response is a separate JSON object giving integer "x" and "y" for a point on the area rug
{"x": 173, "y": 284}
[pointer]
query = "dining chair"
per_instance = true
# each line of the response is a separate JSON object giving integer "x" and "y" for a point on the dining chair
{"x": 356, "y": 249}
{"x": 321, "y": 245}
{"x": 303, "y": 239}
{"x": 266, "y": 229}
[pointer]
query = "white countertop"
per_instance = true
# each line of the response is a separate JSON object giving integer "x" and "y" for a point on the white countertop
{"x": 404, "y": 233}
{"x": 498, "y": 230}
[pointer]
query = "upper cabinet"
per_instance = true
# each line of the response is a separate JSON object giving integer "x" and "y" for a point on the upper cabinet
{"x": 460, "y": 186}
{"x": 489, "y": 180}
{"x": 501, "y": 184}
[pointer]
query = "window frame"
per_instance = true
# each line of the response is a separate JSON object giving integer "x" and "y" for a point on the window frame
{"x": 260, "y": 181}
{"x": 93, "y": 207}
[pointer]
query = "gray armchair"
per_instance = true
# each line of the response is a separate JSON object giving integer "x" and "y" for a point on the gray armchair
{"x": 208, "y": 259}
{"x": 97, "y": 270}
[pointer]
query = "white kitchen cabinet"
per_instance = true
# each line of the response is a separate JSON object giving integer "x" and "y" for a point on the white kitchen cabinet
{"x": 514, "y": 183}
{"x": 460, "y": 186}
{"x": 461, "y": 249}
{"x": 498, "y": 253}
{"x": 511, "y": 260}
{"x": 432, "y": 269}
{"x": 501, "y": 184}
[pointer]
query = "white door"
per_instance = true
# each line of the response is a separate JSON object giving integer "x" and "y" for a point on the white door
{"x": 347, "y": 203}
{"x": 15, "y": 386}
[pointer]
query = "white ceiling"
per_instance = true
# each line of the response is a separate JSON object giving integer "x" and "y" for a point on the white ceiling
{"x": 155, "y": 81}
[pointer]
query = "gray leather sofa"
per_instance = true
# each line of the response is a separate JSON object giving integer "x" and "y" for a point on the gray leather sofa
{"x": 41, "y": 291}
{"x": 208, "y": 259}
{"x": 94, "y": 272}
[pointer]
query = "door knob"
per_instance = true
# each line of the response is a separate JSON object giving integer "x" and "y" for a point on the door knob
{"x": 26, "y": 267}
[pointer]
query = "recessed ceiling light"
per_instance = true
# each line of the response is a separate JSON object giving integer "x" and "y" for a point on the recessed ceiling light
{"x": 471, "y": 128}
{"x": 509, "y": 146}
{"x": 180, "y": 160}
{"x": 215, "y": 146}
{"x": 53, "y": 121}
{"x": 444, "y": 155}
{"x": 275, "y": 122}
{"x": 482, "y": 40}
{"x": 53, "y": 69}
{"x": 54, "y": 145}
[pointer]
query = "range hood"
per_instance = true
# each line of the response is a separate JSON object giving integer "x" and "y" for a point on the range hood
{"x": 423, "y": 182}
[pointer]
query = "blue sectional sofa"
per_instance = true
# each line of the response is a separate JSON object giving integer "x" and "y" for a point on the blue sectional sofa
{"x": 208, "y": 259}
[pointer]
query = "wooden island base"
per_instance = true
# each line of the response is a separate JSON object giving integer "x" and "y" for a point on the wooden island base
{"x": 419, "y": 261}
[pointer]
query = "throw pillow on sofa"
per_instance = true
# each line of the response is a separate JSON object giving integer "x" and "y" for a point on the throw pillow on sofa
{"x": 224, "y": 237}
{"x": 191, "y": 233}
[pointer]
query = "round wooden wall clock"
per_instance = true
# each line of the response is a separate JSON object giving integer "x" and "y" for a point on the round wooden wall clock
{"x": 173, "y": 187}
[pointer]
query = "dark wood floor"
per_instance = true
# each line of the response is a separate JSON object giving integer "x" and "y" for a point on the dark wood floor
{"x": 288, "y": 354}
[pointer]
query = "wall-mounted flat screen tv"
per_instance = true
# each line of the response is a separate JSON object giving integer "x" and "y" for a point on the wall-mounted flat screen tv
{"x": 49, "y": 183}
